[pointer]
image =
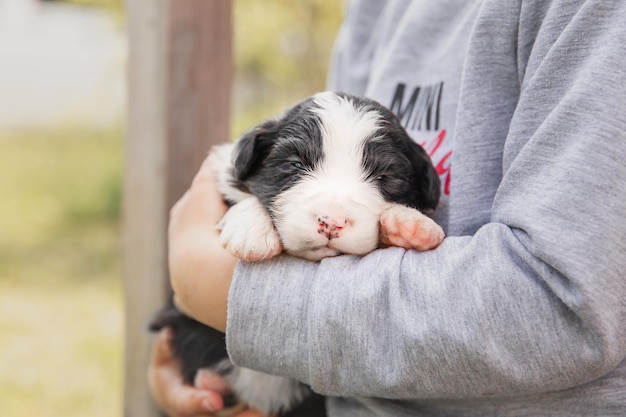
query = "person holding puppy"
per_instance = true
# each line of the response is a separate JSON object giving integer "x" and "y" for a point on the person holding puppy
{"x": 521, "y": 310}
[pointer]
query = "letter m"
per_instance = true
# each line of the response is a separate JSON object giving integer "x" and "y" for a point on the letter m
{"x": 397, "y": 104}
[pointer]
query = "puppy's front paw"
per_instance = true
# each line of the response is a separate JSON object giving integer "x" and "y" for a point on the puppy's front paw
{"x": 408, "y": 228}
{"x": 248, "y": 233}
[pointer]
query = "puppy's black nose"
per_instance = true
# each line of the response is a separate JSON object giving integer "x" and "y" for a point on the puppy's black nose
{"x": 331, "y": 226}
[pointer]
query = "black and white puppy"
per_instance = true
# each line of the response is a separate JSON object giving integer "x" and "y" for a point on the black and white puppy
{"x": 315, "y": 183}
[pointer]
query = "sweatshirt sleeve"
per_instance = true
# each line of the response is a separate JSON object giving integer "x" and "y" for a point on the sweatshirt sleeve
{"x": 532, "y": 301}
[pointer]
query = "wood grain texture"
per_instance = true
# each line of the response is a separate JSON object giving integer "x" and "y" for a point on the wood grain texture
{"x": 200, "y": 78}
{"x": 179, "y": 85}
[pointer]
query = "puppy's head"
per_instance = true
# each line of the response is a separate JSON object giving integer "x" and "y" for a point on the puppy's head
{"x": 327, "y": 170}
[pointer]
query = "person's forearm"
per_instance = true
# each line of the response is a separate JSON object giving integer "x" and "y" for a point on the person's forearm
{"x": 200, "y": 269}
{"x": 201, "y": 282}
{"x": 462, "y": 321}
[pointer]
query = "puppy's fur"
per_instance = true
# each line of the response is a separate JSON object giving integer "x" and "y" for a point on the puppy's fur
{"x": 315, "y": 183}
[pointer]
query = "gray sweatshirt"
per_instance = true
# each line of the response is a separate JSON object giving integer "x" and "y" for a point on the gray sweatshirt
{"x": 522, "y": 310}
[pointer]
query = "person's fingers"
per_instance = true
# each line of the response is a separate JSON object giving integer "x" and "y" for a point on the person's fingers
{"x": 180, "y": 400}
{"x": 208, "y": 380}
{"x": 167, "y": 386}
{"x": 185, "y": 400}
{"x": 162, "y": 348}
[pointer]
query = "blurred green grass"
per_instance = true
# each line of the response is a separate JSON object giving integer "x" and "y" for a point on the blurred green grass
{"x": 60, "y": 291}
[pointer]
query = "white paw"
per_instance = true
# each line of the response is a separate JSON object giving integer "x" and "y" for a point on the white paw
{"x": 410, "y": 229}
{"x": 247, "y": 231}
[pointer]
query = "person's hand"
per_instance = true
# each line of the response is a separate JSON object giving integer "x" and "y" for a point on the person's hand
{"x": 178, "y": 399}
{"x": 201, "y": 270}
{"x": 168, "y": 390}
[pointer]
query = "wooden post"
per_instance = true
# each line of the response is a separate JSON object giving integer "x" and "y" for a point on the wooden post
{"x": 200, "y": 78}
{"x": 180, "y": 76}
{"x": 145, "y": 193}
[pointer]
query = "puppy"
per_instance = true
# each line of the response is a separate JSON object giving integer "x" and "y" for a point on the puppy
{"x": 321, "y": 181}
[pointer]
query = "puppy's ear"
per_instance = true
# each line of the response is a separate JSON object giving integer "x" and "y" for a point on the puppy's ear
{"x": 428, "y": 184}
{"x": 253, "y": 148}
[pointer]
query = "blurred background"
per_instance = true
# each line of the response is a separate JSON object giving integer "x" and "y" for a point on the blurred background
{"x": 62, "y": 107}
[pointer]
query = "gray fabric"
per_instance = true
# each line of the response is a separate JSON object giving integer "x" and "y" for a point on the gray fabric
{"x": 522, "y": 310}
